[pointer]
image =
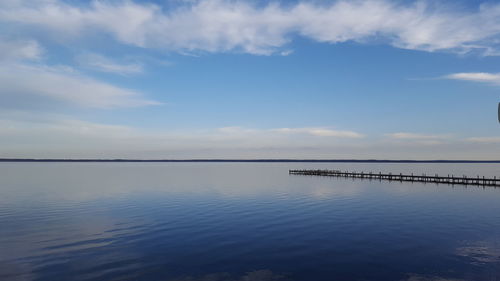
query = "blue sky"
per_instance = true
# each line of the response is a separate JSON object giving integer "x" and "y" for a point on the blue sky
{"x": 249, "y": 79}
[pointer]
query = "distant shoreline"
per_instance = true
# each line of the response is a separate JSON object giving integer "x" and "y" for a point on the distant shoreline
{"x": 250, "y": 160}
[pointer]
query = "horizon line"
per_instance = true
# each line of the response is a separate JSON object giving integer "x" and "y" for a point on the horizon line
{"x": 284, "y": 160}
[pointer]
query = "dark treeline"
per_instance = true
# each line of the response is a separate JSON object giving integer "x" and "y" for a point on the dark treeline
{"x": 249, "y": 160}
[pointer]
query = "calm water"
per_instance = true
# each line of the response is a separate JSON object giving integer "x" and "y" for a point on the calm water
{"x": 243, "y": 221}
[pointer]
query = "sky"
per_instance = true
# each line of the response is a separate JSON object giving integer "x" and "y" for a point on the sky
{"x": 247, "y": 79}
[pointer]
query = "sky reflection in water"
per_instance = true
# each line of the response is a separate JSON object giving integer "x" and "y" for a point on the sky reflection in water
{"x": 243, "y": 221}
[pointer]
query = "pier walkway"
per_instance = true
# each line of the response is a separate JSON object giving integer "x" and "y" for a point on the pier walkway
{"x": 450, "y": 179}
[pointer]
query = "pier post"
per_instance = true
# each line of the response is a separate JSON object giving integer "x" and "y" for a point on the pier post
{"x": 480, "y": 181}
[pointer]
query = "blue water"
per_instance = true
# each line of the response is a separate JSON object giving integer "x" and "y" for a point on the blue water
{"x": 243, "y": 222}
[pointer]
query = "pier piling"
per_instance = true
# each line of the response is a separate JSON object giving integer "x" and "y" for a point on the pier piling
{"x": 464, "y": 180}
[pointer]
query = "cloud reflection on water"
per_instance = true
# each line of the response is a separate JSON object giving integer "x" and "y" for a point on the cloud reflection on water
{"x": 417, "y": 277}
{"x": 257, "y": 275}
{"x": 104, "y": 221}
{"x": 481, "y": 252}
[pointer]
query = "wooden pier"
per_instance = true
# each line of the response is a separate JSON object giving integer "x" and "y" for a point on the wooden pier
{"x": 450, "y": 179}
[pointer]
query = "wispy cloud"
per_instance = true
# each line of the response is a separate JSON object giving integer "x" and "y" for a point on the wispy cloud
{"x": 220, "y": 26}
{"x": 483, "y": 77}
{"x": 319, "y": 132}
{"x": 63, "y": 128}
{"x": 48, "y": 135}
{"x": 101, "y": 63}
{"x": 307, "y": 131}
{"x": 59, "y": 135}
{"x": 21, "y": 83}
{"x": 418, "y": 139}
{"x": 484, "y": 139}
{"x": 11, "y": 50}
{"x": 414, "y": 136}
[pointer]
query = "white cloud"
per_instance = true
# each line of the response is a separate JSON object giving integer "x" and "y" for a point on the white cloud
{"x": 307, "y": 131}
{"x": 19, "y": 50}
{"x": 47, "y": 135}
{"x": 418, "y": 139}
{"x": 319, "y": 132}
{"x": 218, "y": 25}
{"x": 13, "y": 122}
{"x": 483, "y": 77}
{"x": 286, "y": 53}
{"x": 236, "y": 131}
{"x": 413, "y": 136}
{"x": 104, "y": 64}
{"x": 21, "y": 83}
{"x": 63, "y": 127}
{"x": 484, "y": 140}
{"x": 22, "y": 134}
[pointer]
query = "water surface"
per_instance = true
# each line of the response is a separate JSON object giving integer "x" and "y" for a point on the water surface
{"x": 243, "y": 221}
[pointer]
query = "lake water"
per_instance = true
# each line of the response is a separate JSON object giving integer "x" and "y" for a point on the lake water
{"x": 243, "y": 222}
